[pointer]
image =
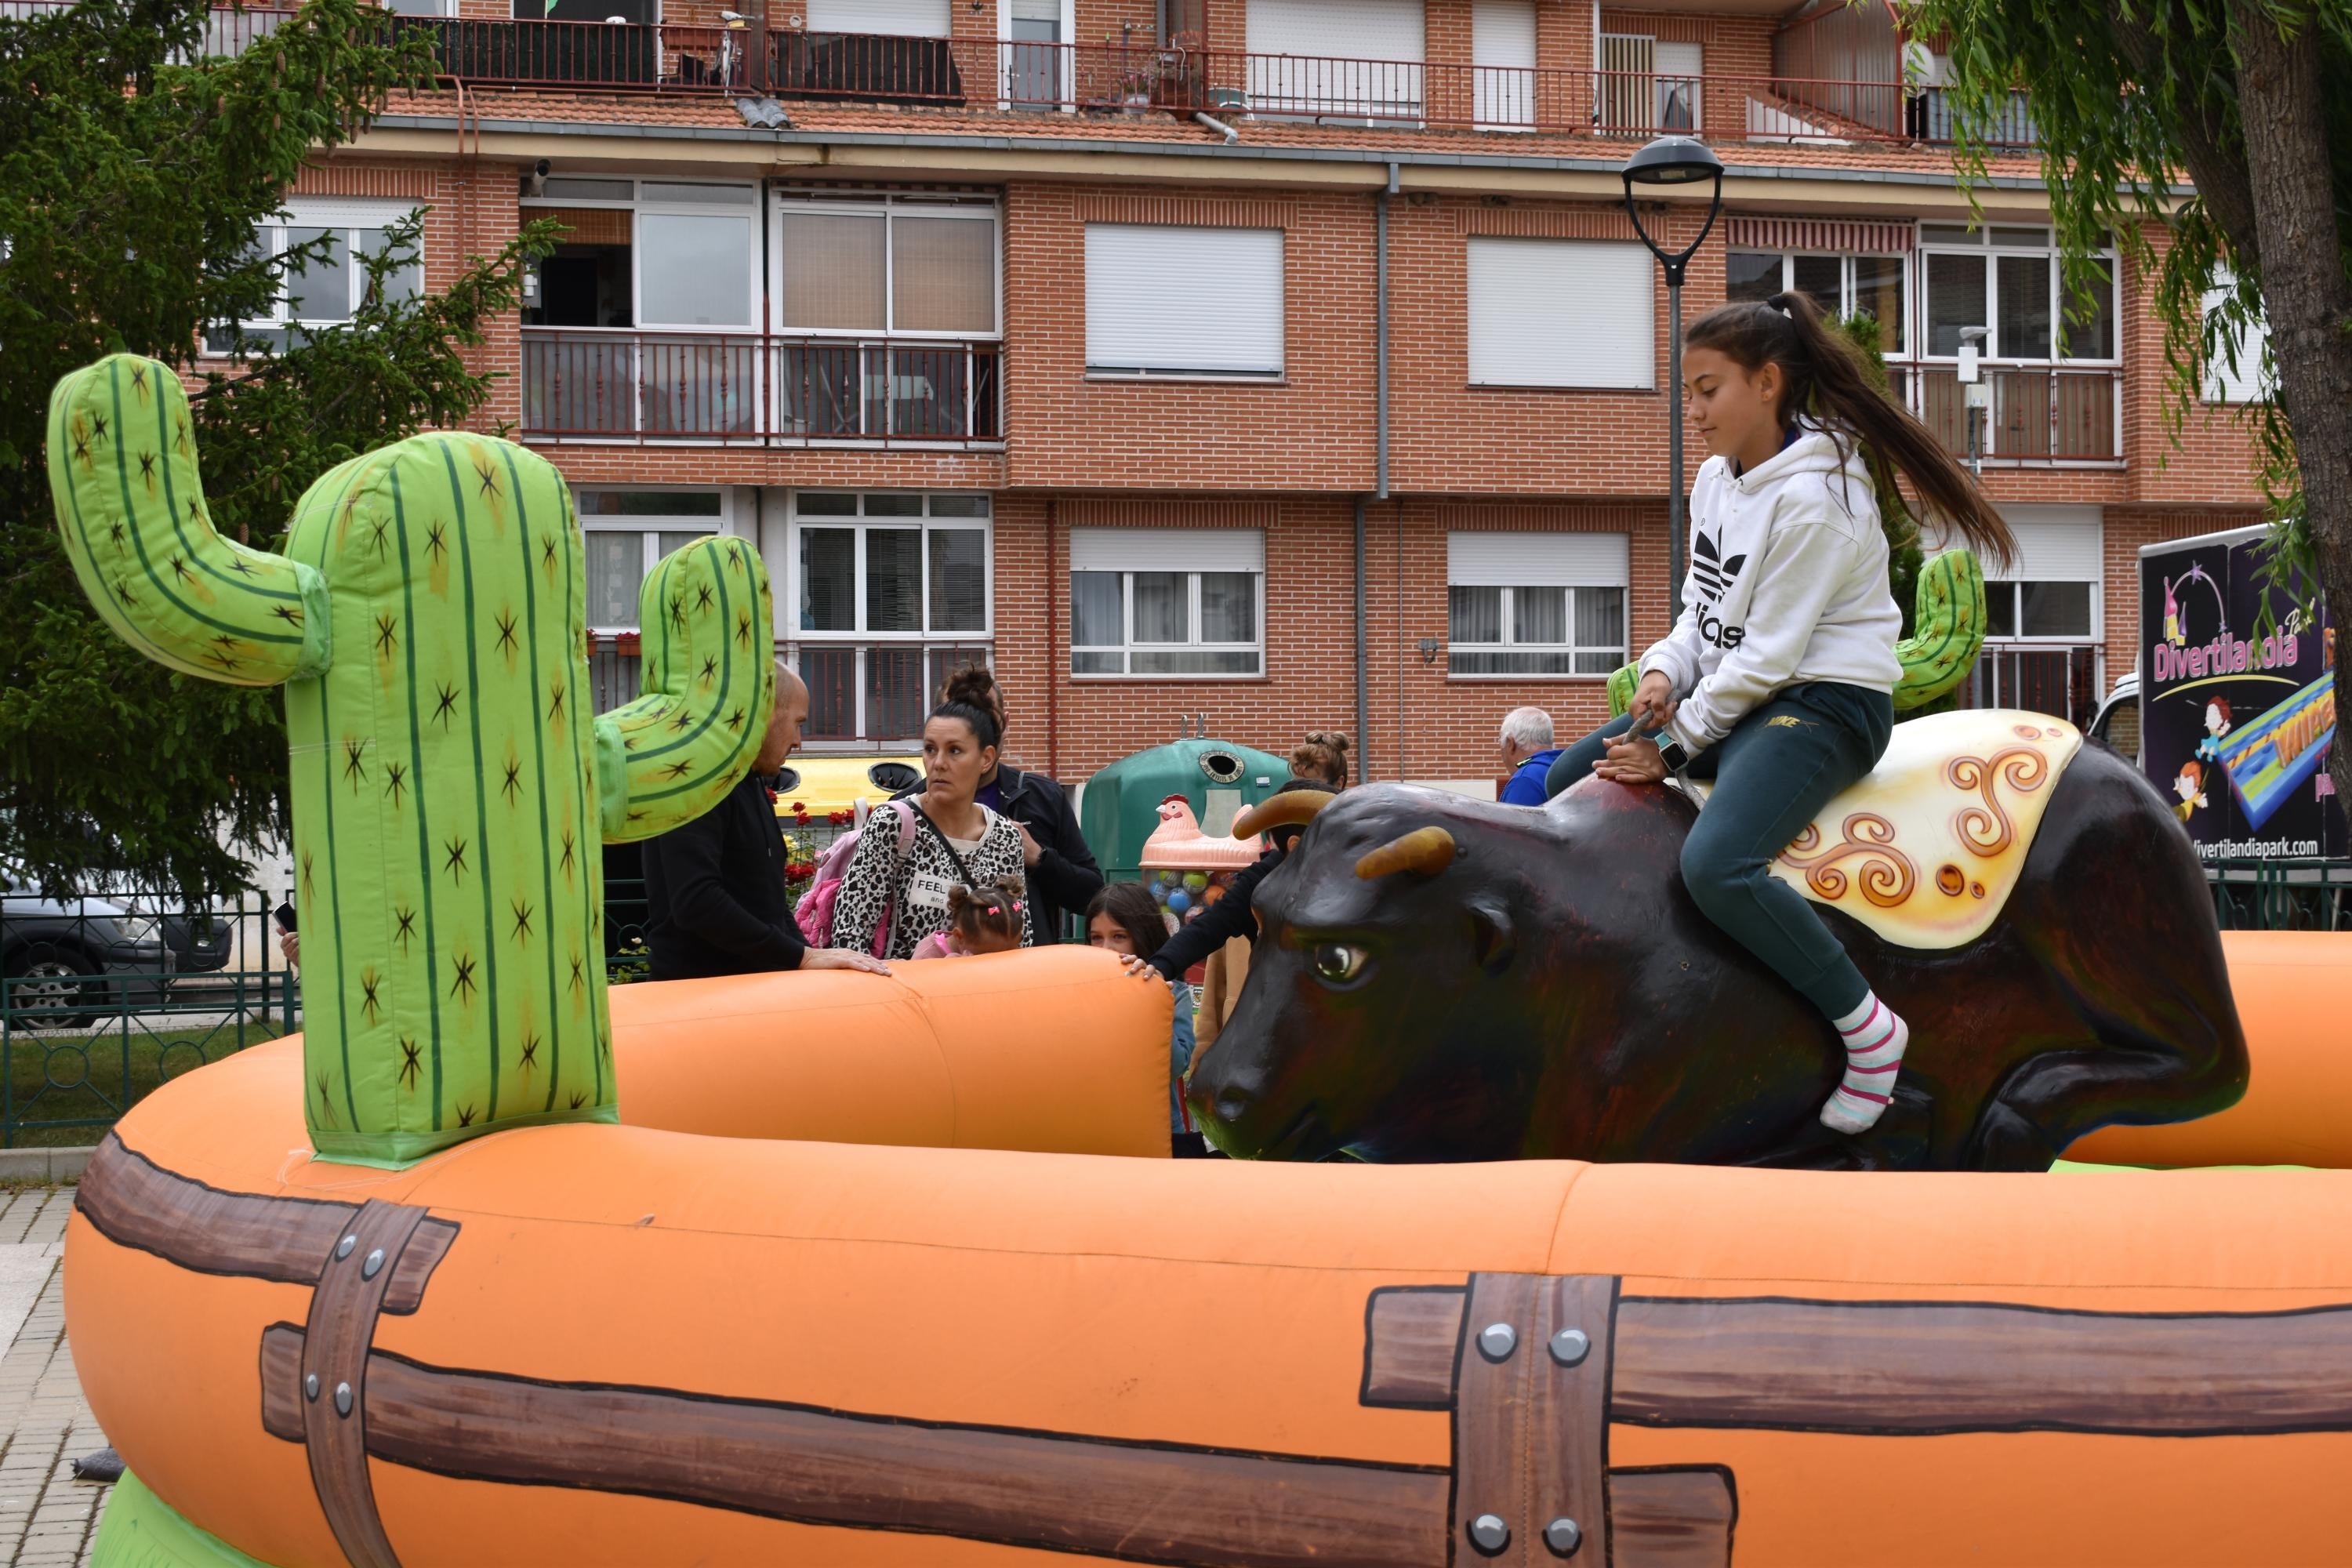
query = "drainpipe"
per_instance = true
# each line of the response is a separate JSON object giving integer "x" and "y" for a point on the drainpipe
{"x": 1219, "y": 126}
{"x": 1363, "y": 674}
{"x": 1054, "y": 662}
{"x": 1380, "y": 457}
{"x": 1380, "y": 336}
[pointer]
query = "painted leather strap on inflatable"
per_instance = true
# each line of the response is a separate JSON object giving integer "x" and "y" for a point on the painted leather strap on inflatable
{"x": 1533, "y": 1369}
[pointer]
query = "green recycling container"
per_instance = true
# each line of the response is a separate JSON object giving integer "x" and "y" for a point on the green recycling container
{"x": 1121, "y": 803}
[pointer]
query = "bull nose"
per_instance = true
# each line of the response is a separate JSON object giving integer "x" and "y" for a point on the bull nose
{"x": 1234, "y": 1103}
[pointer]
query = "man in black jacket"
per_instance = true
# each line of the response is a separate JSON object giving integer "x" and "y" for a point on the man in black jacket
{"x": 715, "y": 886}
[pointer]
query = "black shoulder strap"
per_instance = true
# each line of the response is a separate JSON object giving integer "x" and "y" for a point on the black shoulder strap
{"x": 962, "y": 870}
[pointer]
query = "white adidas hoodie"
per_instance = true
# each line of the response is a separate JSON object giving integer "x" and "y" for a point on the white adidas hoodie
{"x": 1787, "y": 584}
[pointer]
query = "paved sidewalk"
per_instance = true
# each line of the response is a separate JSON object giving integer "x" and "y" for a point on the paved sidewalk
{"x": 47, "y": 1519}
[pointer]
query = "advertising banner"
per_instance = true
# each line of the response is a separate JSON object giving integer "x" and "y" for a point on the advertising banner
{"x": 2236, "y": 714}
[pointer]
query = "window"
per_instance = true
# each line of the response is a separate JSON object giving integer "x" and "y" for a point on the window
{"x": 906, "y": 19}
{"x": 889, "y": 591}
{"x": 2052, "y": 589}
{"x": 2008, "y": 280}
{"x": 1167, "y": 602}
{"x": 1646, "y": 84}
{"x": 627, "y": 532}
{"x": 651, "y": 253}
{"x": 1875, "y": 286}
{"x": 882, "y": 266}
{"x": 1541, "y": 604}
{"x": 2237, "y": 370}
{"x": 1558, "y": 312}
{"x": 330, "y": 290}
{"x": 1165, "y": 301}
{"x": 1336, "y": 60}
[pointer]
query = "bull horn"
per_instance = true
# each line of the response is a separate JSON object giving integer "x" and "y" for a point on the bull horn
{"x": 1292, "y": 808}
{"x": 1427, "y": 850}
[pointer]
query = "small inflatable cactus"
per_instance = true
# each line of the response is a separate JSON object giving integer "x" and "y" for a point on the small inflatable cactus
{"x": 1951, "y": 629}
{"x": 451, "y": 786}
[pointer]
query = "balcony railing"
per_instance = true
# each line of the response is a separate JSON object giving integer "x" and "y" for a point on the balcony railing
{"x": 1815, "y": 96}
{"x": 753, "y": 389}
{"x": 2060, "y": 679}
{"x": 876, "y": 691}
{"x": 2039, "y": 414}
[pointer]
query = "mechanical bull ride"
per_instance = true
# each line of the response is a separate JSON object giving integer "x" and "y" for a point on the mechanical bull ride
{"x": 870, "y": 1269}
{"x": 1442, "y": 979}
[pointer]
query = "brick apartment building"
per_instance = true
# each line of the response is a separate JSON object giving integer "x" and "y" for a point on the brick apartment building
{"x": 1237, "y": 357}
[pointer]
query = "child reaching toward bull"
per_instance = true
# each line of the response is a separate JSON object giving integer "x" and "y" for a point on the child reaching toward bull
{"x": 1778, "y": 675}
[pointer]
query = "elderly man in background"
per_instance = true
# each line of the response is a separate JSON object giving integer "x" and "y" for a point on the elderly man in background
{"x": 1527, "y": 754}
{"x": 715, "y": 886}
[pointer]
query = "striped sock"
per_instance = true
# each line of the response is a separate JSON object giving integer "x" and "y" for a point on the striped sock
{"x": 1874, "y": 1039}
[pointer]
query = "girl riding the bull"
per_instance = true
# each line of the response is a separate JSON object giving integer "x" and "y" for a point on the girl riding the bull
{"x": 1777, "y": 677}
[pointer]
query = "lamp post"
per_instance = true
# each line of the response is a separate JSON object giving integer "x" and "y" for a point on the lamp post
{"x": 1674, "y": 161}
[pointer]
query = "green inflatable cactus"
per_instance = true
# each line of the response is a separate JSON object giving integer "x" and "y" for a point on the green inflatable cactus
{"x": 1951, "y": 622}
{"x": 451, "y": 786}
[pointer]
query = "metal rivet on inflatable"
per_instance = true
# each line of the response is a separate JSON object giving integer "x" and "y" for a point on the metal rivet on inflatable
{"x": 835, "y": 1290}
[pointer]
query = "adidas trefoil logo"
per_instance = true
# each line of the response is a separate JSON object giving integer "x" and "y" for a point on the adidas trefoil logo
{"x": 1714, "y": 573}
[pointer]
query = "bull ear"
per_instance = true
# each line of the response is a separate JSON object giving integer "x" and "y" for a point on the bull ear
{"x": 1494, "y": 936}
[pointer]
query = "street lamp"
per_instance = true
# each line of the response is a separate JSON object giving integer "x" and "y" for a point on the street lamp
{"x": 1674, "y": 161}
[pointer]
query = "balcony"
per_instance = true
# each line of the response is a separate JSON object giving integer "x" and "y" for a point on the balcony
{"x": 2040, "y": 416}
{"x": 1837, "y": 78}
{"x": 759, "y": 390}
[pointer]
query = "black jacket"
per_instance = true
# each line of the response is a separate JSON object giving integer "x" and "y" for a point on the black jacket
{"x": 1066, "y": 876}
{"x": 1229, "y": 917}
{"x": 715, "y": 893}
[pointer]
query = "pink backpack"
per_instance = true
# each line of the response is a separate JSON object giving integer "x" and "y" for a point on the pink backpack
{"x": 815, "y": 911}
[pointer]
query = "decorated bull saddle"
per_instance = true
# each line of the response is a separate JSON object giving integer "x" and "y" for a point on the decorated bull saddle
{"x": 1926, "y": 850}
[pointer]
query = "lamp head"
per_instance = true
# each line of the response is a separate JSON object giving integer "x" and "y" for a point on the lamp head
{"x": 1673, "y": 161}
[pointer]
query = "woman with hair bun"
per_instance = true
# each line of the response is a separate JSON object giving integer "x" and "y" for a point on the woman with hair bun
{"x": 1322, "y": 755}
{"x": 907, "y": 881}
{"x": 1059, "y": 869}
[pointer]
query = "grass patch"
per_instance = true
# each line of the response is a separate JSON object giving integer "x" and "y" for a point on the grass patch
{"x": 65, "y": 1088}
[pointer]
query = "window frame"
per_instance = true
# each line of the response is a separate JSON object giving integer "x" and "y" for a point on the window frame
{"x": 349, "y": 215}
{"x": 861, "y": 524}
{"x": 884, "y": 205}
{"x": 1539, "y": 559}
{"x": 1128, "y": 647}
{"x": 1993, "y": 255}
{"x": 636, "y": 205}
{"x": 2016, "y": 586}
{"x": 1847, "y": 289}
{"x": 652, "y": 525}
{"x": 1277, "y": 375}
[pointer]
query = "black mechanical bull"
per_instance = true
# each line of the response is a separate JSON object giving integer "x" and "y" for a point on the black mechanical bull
{"x": 1443, "y": 979}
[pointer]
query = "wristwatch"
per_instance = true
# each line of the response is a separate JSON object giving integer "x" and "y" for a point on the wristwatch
{"x": 1671, "y": 753}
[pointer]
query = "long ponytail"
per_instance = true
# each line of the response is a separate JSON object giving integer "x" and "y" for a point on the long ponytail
{"x": 1828, "y": 383}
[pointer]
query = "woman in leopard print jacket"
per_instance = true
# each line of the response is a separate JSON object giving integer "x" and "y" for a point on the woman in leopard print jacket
{"x": 910, "y": 891}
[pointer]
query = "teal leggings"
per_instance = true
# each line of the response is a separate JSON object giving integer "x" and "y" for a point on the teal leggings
{"x": 1773, "y": 773}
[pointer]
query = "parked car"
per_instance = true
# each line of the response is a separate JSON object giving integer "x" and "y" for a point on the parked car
{"x": 55, "y": 956}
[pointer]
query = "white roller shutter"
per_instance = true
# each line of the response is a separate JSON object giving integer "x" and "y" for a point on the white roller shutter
{"x": 1167, "y": 550}
{"x": 1341, "y": 29}
{"x": 904, "y": 18}
{"x": 1175, "y": 300}
{"x": 1503, "y": 55}
{"x": 1536, "y": 560}
{"x": 2246, "y": 380}
{"x": 1562, "y": 313}
{"x": 2055, "y": 543}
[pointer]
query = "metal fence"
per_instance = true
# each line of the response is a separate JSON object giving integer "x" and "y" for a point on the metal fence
{"x": 2299, "y": 894}
{"x": 755, "y": 389}
{"x": 1836, "y": 78}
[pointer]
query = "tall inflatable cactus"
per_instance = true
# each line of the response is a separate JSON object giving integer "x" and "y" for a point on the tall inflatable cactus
{"x": 1950, "y": 619}
{"x": 451, "y": 785}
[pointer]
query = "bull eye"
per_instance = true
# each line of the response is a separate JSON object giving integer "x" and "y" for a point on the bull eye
{"x": 1337, "y": 960}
